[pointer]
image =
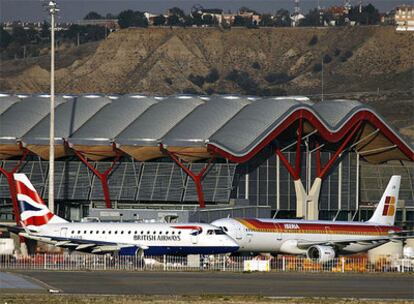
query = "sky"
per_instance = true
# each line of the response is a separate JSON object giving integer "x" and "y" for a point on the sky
{"x": 74, "y": 10}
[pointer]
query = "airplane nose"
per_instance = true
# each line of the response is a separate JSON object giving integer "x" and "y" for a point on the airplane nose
{"x": 233, "y": 244}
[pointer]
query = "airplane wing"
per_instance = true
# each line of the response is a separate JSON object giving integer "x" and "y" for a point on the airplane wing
{"x": 82, "y": 244}
{"x": 74, "y": 244}
{"x": 343, "y": 243}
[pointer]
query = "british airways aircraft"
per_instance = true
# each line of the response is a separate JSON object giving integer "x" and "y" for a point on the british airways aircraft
{"x": 123, "y": 238}
{"x": 320, "y": 240}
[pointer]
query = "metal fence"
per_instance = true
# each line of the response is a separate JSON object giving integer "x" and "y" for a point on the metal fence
{"x": 202, "y": 263}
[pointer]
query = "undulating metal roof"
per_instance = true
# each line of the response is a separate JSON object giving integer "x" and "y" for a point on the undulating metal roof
{"x": 6, "y": 101}
{"x": 69, "y": 116}
{"x": 248, "y": 127}
{"x": 19, "y": 118}
{"x": 191, "y": 134}
{"x": 118, "y": 115}
{"x": 142, "y": 137}
{"x": 96, "y": 136}
{"x": 233, "y": 127}
{"x": 336, "y": 112}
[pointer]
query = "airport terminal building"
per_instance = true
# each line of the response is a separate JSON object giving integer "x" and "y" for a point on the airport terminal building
{"x": 210, "y": 156}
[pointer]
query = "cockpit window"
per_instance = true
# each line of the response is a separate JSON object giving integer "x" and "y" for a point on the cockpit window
{"x": 215, "y": 232}
{"x": 224, "y": 228}
{"x": 219, "y": 231}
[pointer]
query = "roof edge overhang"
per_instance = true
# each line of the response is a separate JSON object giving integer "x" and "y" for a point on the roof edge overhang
{"x": 324, "y": 130}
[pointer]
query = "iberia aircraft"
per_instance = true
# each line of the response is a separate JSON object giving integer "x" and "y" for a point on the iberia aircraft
{"x": 320, "y": 240}
{"x": 40, "y": 224}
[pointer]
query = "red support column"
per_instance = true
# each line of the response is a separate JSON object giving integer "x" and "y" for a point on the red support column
{"x": 103, "y": 177}
{"x": 294, "y": 171}
{"x": 12, "y": 185}
{"x": 286, "y": 163}
{"x": 298, "y": 143}
{"x": 332, "y": 160}
{"x": 197, "y": 178}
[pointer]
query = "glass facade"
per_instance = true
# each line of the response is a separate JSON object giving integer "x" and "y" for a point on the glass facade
{"x": 262, "y": 181}
{"x": 134, "y": 184}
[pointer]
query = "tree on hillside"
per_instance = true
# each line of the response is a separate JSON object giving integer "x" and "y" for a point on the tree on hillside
{"x": 5, "y": 38}
{"x": 32, "y": 35}
{"x": 20, "y": 35}
{"x": 45, "y": 30}
{"x": 266, "y": 20}
{"x": 92, "y": 16}
{"x": 188, "y": 20}
{"x": 282, "y": 18}
{"x": 212, "y": 76}
{"x": 245, "y": 9}
{"x": 173, "y": 20}
{"x": 176, "y": 11}
{"x": 84, "y": 33}
{"x": 240, "y": 21}
{"x": 95, "y": 33}
{"x": 130, "y": 18}
{"x": 368, "y": 16}
{"x": 208, "y": 19}
{"x": 159, "y": 20}
{"x": 197, "y": 20}
{"x": 312, "y": 18}
{"x": 110, "y": 16}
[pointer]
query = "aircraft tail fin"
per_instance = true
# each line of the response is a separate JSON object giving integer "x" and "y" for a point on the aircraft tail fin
{"x": 385, "y": 212}
{"x": 33, "y": 211}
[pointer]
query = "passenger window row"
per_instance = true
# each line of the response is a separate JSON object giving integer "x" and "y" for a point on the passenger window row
{"x": 122, "y": 232}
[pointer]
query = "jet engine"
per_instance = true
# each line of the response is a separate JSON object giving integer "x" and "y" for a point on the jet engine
{"x": 322, "y": 254}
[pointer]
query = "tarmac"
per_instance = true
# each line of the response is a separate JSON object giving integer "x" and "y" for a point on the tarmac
{"x": 14, "y": 283}
{"x": 367, "y": 286}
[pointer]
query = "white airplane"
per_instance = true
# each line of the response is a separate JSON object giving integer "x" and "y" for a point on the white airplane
{"x": 320, "y": 240}
{"x": 123, "y": 238}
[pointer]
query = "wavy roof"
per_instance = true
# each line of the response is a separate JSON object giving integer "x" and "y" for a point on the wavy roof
{"x": 234, "y": 127}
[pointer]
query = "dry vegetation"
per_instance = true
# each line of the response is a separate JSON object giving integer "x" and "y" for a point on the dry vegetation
{"x": 86, "y": 299}
{"x": 161, "y": 61}
{"x": 267, "y": 61}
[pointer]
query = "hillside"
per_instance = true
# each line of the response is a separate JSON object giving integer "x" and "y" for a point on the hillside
{"x": 266, "y": 61}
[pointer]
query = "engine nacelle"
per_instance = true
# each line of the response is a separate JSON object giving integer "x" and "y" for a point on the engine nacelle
{"x": 323, "y": 254}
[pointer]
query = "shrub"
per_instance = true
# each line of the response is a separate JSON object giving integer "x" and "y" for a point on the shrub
{"x": 256, "y": 65}
{"x": 348, "y": 54}
{"x": 210, "y": 91}
{"x": 190, "y": 91}
{"x": 233, "y": 75}
{"x": 314, "y": 40}
{"x": 327, "y": 58}
{"x": 168, "y": 80}
{"x": 212, "y": 76}
{"x": 243, "y": 80}
{"x": 196, "y": 79}
{"x": 317, "y": 67}
{"x": 337, "y": 52}
{"x": 277, "y": 78}
{"x": 272, "y": 92}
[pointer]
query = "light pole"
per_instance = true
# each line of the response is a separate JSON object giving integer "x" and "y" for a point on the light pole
{"x": 52, "y": 8}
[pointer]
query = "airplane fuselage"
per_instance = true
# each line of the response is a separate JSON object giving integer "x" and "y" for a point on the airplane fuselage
{"x": 283, "y": 236}
{"x": 156, "y": 238}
